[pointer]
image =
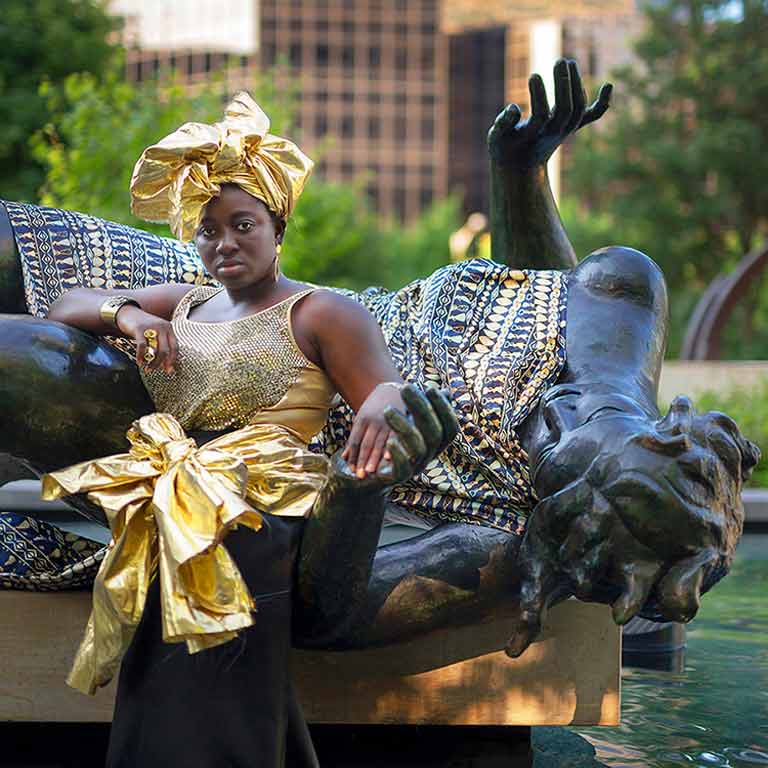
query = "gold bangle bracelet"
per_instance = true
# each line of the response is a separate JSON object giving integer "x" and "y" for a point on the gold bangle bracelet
{"x": 112, "y": 305}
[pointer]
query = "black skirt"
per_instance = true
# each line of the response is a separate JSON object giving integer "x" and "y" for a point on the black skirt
{"x": 231, "y": 706}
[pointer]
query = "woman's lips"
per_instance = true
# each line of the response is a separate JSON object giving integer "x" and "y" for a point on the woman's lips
{"x": 229, "y": 268}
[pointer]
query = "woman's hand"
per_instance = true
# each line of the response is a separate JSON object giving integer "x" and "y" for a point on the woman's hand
{"x": 367, "y": 444}
{"x": 133, "y": 322}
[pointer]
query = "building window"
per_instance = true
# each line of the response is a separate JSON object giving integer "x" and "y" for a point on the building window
{"x": 400, "y": 172}
{"x": 374, "y": 56}
{"x": 347, "y": 97}
{"x": 428, "y": 99}
{"x": 373, "y": 196}
{"x": 347, "y": 29}
{"x": 374, "y": 97}
{"x": 322, "y": 96}
{"x": 321, "y": 25}
{"x": 347, "y": 170}
{"x": 321, "y": 124}
{"x": 347, "y": 126}
{"x": 425, "y": 197}
{"x": 401, "y": 131}
{"x": 401, "y": 61}
{"x": 269, "y": 55}
{"x": 294, "y": 54}
{"x": 427, "y": 58}
{"x": 348, "y": 56}
{"x": 427, "y": 129}
{"x": 295, "y": 24}
{"x": 374, "y": 128}
{"x": 321, "y": 55}
{"x": 399, "y": 203}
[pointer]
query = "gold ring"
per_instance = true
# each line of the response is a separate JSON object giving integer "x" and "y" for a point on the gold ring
{"x": 151, "y": 336}
{"x": 149, "y": 355}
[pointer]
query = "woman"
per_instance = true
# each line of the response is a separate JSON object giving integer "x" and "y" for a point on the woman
{"x": 254, "y": 365}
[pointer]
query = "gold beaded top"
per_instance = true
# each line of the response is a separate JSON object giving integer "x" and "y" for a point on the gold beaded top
{"x": 250, "y": 370}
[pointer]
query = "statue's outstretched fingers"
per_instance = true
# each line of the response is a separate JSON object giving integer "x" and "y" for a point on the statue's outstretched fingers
{"x": 636, "y": 582}
{"x": 578, "y": 97}
{"x": 599, "y": 106}
{"x": 400, "y": 467}
{"x": 506, "y": 122}
{"x": 424, "y": 417}
{"x": 409, "y": 436}
{"x": 539, "y": 101}
{"x": 563, "y": 99}
{"x": 679, "y": 592}
{"x": 583, "y": 535}
{"x": 532, "y": 608}
{"x": 442, "y": 407}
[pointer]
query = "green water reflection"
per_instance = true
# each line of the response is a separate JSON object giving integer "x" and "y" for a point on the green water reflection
{"x": 715, "y": 713}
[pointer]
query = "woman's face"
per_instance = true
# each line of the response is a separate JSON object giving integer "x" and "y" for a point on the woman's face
{"x": 236, "y": 238}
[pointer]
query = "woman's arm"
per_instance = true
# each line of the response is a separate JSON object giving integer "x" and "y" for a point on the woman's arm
{"x": 80, "y": 308}
{"x": 351, "y": 349}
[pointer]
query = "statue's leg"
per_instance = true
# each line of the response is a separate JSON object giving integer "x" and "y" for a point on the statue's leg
{"x": 67, "y": 396}
{"x": 454, "y": 575}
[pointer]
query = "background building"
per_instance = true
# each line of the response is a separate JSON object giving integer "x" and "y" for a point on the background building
{"x": 397, "y": 94}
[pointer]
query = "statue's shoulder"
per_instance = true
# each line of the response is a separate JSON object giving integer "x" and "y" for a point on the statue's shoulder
{"x": 621, "y": 272}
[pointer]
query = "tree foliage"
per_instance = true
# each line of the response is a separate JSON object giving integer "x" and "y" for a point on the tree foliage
{"x": 99, "y": 129}
{"x": 679, "y": 168}
{"x": 42, "y": 41}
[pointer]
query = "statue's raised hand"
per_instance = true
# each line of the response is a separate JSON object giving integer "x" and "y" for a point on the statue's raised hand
{"x": 526, "y": 144}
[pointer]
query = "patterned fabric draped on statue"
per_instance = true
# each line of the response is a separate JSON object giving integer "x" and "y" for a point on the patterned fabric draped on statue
{"x": 494, "y": 337}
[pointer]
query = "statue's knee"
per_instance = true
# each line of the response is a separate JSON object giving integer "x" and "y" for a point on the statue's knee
{"x": 626, "y": 272}
{"x": 66, "y": 394}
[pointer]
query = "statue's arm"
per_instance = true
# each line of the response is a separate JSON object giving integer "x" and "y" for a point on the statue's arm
{"x": 526, "y": 229}
{"x": 351, "y": 594}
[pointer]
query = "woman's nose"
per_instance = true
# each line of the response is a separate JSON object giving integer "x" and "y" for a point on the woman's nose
{"x": 227, "y": 244}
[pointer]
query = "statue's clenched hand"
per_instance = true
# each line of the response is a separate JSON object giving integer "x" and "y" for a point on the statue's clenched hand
{"x": 416, "y": 439}
{"x": 529, "y": 143}
{"x": 649, "y": 526}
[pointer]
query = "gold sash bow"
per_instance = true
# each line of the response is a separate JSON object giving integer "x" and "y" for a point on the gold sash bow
{"x": 169, "y": 505}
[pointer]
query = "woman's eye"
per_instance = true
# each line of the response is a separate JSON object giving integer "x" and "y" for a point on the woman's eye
{"x": 207, "y": 232}
{"x": 245, "y": 226}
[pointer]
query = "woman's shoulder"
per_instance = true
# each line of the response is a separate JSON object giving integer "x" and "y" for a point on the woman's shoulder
{"x": 325, "y": 304}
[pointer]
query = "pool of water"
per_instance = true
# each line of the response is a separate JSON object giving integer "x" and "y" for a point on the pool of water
{"x": 714, "y": 712}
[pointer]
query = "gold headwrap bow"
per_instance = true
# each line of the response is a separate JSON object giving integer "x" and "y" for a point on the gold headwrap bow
{"x": 174, "y": 179}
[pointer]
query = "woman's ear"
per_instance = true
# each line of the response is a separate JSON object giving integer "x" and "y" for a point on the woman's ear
{"x": 279, "y": 231}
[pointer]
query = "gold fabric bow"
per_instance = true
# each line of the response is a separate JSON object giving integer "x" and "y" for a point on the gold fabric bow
{"x": 169, "y": 505}
{"x": 174, "y": 179}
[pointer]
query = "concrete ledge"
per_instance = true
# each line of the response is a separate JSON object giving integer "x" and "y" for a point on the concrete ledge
{"x": 693, "y": 377}
{"x": 755, "y": 504}
{"x": 570, "y": 676}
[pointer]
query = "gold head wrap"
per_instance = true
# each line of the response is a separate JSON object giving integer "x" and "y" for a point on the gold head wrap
{"x": 174, "y": 179}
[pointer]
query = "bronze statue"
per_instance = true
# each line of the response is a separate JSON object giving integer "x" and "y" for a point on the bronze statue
{"x": 635, "y": 510}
